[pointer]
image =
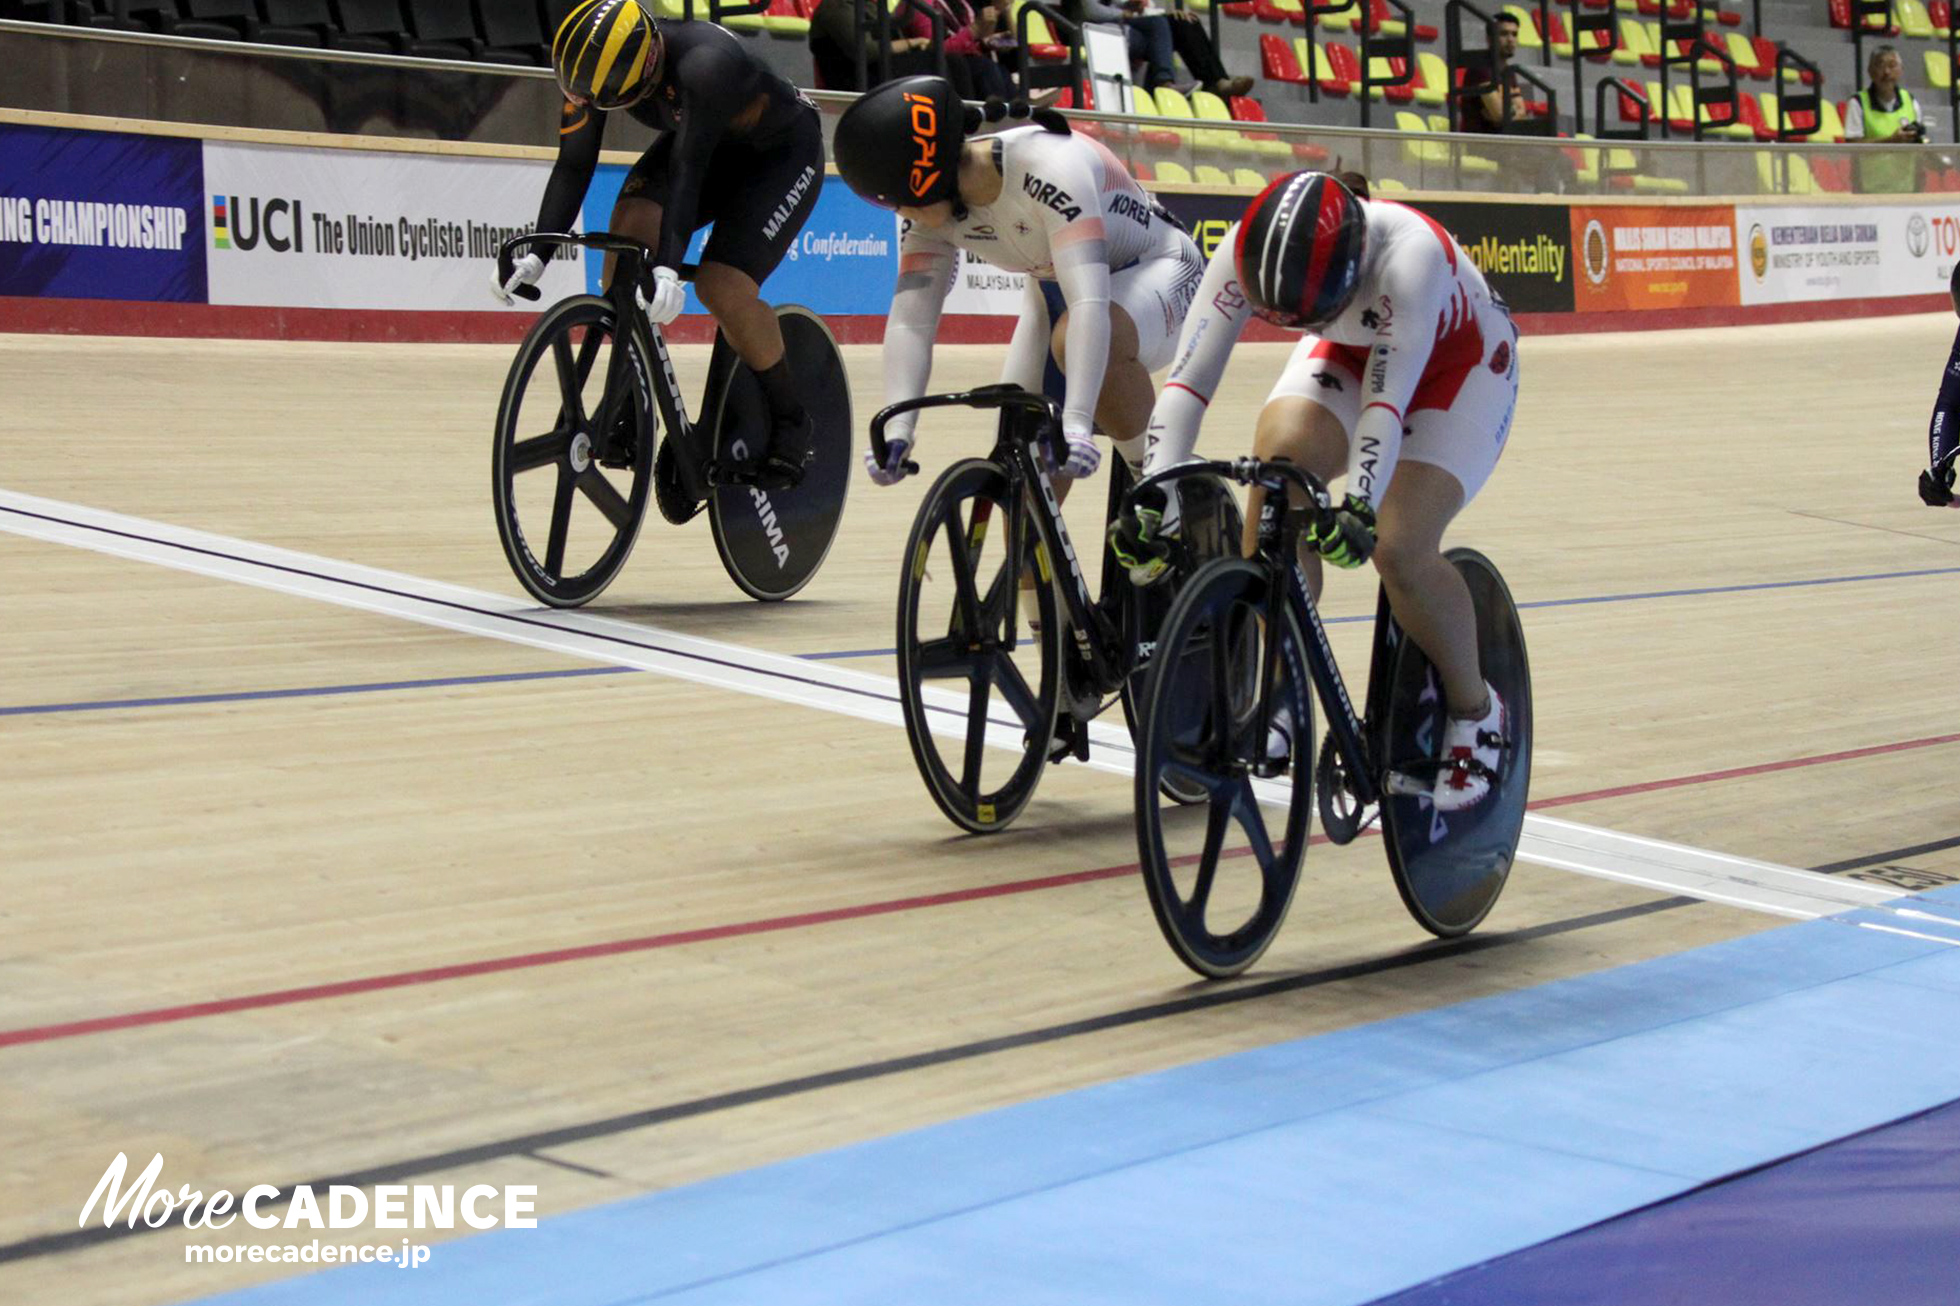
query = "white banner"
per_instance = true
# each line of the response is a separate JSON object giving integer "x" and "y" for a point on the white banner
{"x": 307, "y": 228}
{"x": 1796, "y": 255}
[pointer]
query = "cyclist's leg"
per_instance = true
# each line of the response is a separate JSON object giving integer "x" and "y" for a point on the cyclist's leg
{"x": 1447, "y": 455}
{"x": 642, "y": 201}
{"x": 1152, "y": 299}
{"x": 1307, "y": 418}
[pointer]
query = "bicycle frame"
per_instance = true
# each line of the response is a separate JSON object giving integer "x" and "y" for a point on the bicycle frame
{"x": 1026, "y": 419}
{"x": 627, "y": 272}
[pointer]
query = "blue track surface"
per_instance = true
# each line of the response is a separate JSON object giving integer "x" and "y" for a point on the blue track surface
{"x": 1329, "y": 1171}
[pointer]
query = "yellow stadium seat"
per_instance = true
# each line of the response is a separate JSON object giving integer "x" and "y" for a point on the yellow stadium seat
{"x": 1209, "y": 175}
{"x": 1248, "y": 177}
{"x": 1912, "y": 19}
{"x": 1939, "y": 71}
{"x": 1621, "y": 162}
{"x": 1439, "y": 154}
{"x": 1174, "y": 173}
{"x": 1741, "y": 53}
{"x": 1209, "y": 108}
{"x": 1633, "y": 42}
{"x": 1587, "y": 169}
{"x": 1289, "y": 8}
{"x": 1789, "y": 170}
{"x": 1831, "y": 128}
{"x": 1342, "y": 21}
{"x": 1383, "y": 185}
{"x": 1379, "y": 71}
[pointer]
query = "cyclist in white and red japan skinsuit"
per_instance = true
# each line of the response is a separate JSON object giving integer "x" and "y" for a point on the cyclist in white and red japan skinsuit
{"x": 1407, "y": 381}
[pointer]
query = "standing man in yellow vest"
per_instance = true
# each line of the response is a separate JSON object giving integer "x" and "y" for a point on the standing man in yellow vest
{"x": 1884, "y": 113}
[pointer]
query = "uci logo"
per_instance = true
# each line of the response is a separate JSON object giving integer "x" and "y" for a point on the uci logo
{"x": 925, "y": 135}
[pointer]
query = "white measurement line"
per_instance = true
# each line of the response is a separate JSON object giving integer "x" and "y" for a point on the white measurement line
{"x": 1565, "y": 845}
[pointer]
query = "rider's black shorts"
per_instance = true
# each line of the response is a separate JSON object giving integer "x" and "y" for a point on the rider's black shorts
{"x": 758, "y": 198}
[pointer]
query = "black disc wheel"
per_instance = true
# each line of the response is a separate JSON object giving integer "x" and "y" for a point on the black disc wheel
{"x": 1221, "y": 872}
{"x": 771, "y": 542}
{"x": 569, "y": 471}
{"x": 978, "y": 647}
{"x": 1451, "y": 866}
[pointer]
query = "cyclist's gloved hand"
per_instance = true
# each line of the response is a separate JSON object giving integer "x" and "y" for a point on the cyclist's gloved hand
{"x": 1348, "y": 538}
{"x": 663, "y": 303}
{"x": 524, "y": 272}
{"x": 1936, "y": 486}
{"x": 892, "y": 471}
{"x": 1083, "y": 455}
{"x": 1139, "y": 539}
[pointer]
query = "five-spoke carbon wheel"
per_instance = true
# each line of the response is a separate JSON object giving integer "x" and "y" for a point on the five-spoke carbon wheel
{"x": 576, "y": 480}
{"x": 1221, "y": 872}
{"x": 978, "y": 647}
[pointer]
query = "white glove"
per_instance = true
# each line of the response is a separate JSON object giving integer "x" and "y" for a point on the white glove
{"x": 893, "y": 470}
{"x": 1083, "y": 455}
{"x": 668, "y": 297}
{"x": 524, "y": 272}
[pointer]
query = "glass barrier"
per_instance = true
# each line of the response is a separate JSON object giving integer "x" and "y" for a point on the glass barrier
{"x": 235, "y": 84}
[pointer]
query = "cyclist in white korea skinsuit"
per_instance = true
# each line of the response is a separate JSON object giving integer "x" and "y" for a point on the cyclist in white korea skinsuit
{"x": 1110, "y": 275}
{"x": 1407, "y": 379}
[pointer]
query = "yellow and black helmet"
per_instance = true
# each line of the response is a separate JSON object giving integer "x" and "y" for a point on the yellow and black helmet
{"x": 606, "y": 53}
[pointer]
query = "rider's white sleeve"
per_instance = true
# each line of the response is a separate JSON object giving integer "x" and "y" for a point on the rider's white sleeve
{"x": 1078, "y": 247}
{"x": 1027, "y": 353}
{"x": 925, "y": 273}
{"x": 1423, "y": 302}
{"x": 1218, "y": 314}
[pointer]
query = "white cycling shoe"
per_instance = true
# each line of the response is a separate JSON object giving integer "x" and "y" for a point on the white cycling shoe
{"x": 1279, "y": 736}
{"x": 1470, "y": 757}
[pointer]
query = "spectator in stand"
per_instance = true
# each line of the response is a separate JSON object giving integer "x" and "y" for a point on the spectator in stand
{"x": 1154, "y": 36}
{"x": 1884, "y": 113}
{"x": 1503, "y": 104}
{"x": 833, "y": 32}
{"x": 969, "y": 68}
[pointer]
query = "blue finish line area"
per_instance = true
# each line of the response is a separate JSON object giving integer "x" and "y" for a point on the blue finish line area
{"x": 1354, "y": 1166}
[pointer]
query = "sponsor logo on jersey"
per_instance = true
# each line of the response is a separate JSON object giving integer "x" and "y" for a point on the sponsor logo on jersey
{"x": 1500, "y": 361}
{"x": 1048, "y": 193}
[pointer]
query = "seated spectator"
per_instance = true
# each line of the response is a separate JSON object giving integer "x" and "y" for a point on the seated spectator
{"x": 1884, "y": 113}
{"x": 969, "y": 67}
{"x": 833, "y": 32}
{"x": 1503, "y": 104}
{"x": 1154, "y": 36}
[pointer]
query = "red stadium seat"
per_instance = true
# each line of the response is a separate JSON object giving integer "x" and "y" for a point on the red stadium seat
{"x": 1278, "y": 62}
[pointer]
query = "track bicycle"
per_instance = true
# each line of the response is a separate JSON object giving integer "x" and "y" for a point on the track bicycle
{"x": 992, "y": 593}
{"x": 595, "y": 423}
{"x": 1245, "y": 637}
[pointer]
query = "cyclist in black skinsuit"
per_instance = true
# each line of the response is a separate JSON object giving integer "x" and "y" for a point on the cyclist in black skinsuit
{"x": 1943, "y": 436}
{"x": 738, "y": 147}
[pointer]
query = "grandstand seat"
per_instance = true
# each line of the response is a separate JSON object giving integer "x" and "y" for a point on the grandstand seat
{"x": 1912, "y": 19}
{"x": 1832, "y": 127}
{"x": 1248, "y": 177}
{"x": 1042, "y": 45}
{"x": 1832, "y": 175}
{"x": 1742, "y": 53}
{"x": 1343, "y": 21}
{"x": 1440, "y": 154}
{"x": 1277, "y": 62}
{"x": 1247, "y": 110}
{"x": 292, "y": 22}
{"x": 512, "y": 33}
{"x": 1432, "y": 79}
{"x": 1163, "y": 137}
{"x": 1379, "y": 20}
{"x": 1175, "y": 173}
{"x": 1209, "y": 108}
{"x": 1529, "y": 37}
{"x": 789, "y": 19}
{"x": 1941, "y": 13}
{"x": 1633, "y": 45}
{"x": 1388, "y": 70}
{"x": 1210, "y": 174}
{"x": 1788, "y": 169}
{"x": 373, "y": 26}
{"x": 1346, "y": 67}
{"x": 1585, "y": 162}
{"x": 1237, "y": 9}
{"x": 1749, "y": 112}
{"x": 1802, "y": 124}
{"x": 213, "y": 20}
{"x": 442, "y": 29}
{"x": 1387, "y": 185}
{"x": 1939, "y": 70}
{"x": 1172, "y": 104}
{"x": 1280, "y": 11}
{"x": 1728, "y": 123}
{"x": 1323, "y": 67}
{"x": 1623, "y": 174}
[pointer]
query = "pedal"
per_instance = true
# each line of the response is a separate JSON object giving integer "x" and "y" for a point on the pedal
{"x": 669, "y": 495}
{"x": 1071, "y": 740}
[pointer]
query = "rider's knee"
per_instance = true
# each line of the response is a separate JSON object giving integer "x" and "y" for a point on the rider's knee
{"x": 1401, "y": 555}
{"x": 723, "y": 291}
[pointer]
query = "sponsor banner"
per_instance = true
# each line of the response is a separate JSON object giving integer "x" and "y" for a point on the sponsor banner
{"x": 303, "y": 228}
{"x": 98, "y": 215}
{"x": 1799, "y": 255}
{"x": 1649, "y": 257}
{"x": 1523, "y": 250}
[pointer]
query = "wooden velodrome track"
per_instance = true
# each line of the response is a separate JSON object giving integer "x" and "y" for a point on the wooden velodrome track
{"x": 754, "y": 892}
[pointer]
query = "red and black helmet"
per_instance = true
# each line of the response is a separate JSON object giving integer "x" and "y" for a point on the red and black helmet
{"x": 1299, "y": 250}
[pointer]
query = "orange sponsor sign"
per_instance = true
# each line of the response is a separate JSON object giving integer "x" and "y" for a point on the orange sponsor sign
{"x": 1641, "y": 257}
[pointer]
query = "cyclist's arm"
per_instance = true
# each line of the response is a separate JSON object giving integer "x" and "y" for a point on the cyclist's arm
{"x": 1943, "y": 436}
{"x": 1419, "y": 289}
{"x": 1027, "y": 353}
{"x": 715, "y": 86}
{"x": 1218, "y": 314}
{"x": 925, "y": 274}
{"x": 1079, "y": 249}
{"x": 580, "y": 129}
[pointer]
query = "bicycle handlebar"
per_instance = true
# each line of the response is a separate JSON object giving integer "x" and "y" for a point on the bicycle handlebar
{"x": 600, "y": 240}
{"x": 1003, "y": 395}
{"x": 1271, "y": 476}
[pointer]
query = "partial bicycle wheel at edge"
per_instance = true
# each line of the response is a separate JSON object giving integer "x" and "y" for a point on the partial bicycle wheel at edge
{"x": 1201, "y": 728}
{"x": 963, "y": 622}
{"x": 583, "y": 491}
{"x": 1451, "y": 866}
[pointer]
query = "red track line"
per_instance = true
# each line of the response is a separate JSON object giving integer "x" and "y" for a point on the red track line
{"x": 770, "y": 925}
